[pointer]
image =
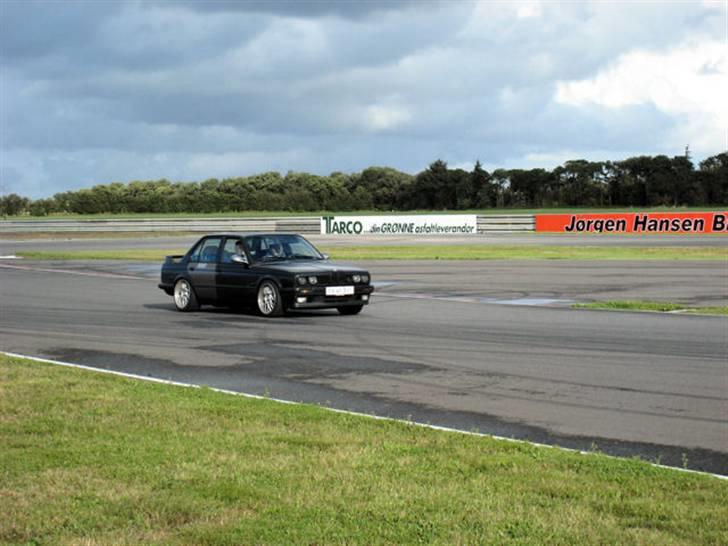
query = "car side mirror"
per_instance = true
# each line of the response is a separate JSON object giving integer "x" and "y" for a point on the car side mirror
{"x": 326, "y": 256}
{"x": 239, "y": 259}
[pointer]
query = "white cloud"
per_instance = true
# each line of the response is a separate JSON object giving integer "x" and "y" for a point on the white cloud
{"x": 387, "y": 114}
{"x": 528, "y": 9}
{"x": 154, "y": 89}
{"x": 689, "y": 81}
{"x": 284, "y": 43}
{"x": 386, "y": 117}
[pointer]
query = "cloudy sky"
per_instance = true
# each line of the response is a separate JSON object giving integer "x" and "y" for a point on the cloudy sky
{"x": 100, "y": 91}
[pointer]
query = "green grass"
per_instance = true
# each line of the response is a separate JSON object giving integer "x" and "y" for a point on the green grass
{"x": 140, "y": 254}
{"x": 656, "y": 306}
{"x": 263, "y": 213}
{"x": 525, "y": 252}
{"x": 66, "y": 235}
{"x": 430, "y": 252}
{"x": 88, "y": 458}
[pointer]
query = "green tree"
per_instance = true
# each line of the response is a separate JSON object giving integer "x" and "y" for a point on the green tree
{"x": 484, "y": 194}
{"x": 432, "y": 188}
{"x": 386, "y": 186}
{"x": 42, "y": 207}
{"x": 530, "y": 185}
{"x": 13, "y": 205}
{"x": 581, "y": 183}
{"x": 685, "y": 187}
{"x": 636, "y": 180}
{"x": 713, "y": 179}
{"x": 462, "y": 182}
{"x": 502, "y": 184}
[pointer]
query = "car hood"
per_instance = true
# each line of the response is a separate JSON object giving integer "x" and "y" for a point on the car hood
{"x": 308, "y": 267}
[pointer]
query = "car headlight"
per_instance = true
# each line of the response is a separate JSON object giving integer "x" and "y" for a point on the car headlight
{"x": 365, "y": 278}
{"x": 312, "y": 280}
{"x": 356, "y": 278}
{"x": 301, "y": 280}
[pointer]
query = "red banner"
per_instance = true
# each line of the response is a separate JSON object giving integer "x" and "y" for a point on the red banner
{"x": 634, "y": 222}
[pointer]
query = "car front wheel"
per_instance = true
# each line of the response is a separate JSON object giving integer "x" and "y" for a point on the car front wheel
{"x": 270, "y": 303}
{"x": 184, "y": 296}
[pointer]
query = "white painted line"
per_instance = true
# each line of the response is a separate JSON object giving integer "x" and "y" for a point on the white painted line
{"x": 10, "y": 257}
{"x": 345, "y": 412}
{"x": 73, "y": 272}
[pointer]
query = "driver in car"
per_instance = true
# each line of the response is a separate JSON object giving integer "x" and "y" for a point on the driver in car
{"x": 239, "y": 248}
{"x": 276, "y": 250}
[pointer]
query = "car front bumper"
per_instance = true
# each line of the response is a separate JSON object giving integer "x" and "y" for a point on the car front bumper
{"x": 315, "y": 298}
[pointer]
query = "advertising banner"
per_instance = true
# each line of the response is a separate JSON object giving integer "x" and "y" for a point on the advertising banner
{"x": 419, "y": 225}
{"x": 635, "y": 222}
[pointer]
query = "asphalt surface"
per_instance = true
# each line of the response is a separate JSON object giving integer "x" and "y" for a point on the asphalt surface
{"x": 488, "y": 346}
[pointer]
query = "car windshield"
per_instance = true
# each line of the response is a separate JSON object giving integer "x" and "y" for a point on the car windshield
{"x": 268, "y": 248}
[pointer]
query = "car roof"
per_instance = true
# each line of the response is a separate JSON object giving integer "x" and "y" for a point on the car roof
{"x": 258, "y": 234}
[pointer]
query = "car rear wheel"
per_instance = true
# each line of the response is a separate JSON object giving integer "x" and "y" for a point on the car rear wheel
{"x": 350, "y": 310}
{"x": 270, "y": 303}
{"x": 185, "y": 298}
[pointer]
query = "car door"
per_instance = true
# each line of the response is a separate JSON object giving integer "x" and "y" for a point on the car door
{"x": 203, "y": 268}
{"x": 236, "y": 281}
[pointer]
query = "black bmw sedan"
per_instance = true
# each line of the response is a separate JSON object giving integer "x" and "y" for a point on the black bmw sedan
{"x": 273, "y": 271}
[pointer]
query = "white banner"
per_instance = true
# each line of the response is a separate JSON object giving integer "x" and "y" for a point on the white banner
{"x": 422, "y": 225}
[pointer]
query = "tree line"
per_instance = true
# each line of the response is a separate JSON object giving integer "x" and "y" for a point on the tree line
{"x": 644, "y": 181}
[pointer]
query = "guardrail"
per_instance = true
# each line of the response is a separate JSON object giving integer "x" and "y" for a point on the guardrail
{"x": 506, "y": 224}
{"x": 296, "y": 224}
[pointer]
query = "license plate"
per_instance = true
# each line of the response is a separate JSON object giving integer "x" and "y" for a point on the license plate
{"x": 339, "y": 290}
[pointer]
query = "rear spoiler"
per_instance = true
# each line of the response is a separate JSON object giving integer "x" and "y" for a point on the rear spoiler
{"x": 173, "y": 259}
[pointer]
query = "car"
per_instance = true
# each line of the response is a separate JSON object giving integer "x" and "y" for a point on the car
{"x": 275, "y": 272}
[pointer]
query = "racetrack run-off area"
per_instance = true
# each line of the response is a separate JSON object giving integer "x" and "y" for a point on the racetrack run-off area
{"x": 492, "y": 346}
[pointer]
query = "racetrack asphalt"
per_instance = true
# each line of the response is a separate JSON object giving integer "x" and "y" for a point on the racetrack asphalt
{"x": 456, "y": 344}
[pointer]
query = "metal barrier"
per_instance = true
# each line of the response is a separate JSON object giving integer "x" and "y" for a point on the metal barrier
{"x": 295, "y": 224}
{"x": 506, "y": 224}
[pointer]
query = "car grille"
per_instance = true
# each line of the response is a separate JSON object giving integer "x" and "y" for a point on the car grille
{"x": 336, "y": 278}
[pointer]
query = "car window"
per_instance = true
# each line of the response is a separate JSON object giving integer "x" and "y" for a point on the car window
{"x": 206, "y": 251}
{"x": 256, "y": 247}
{"x": 280, "y": 247}
{"x": 299, "y": 248}
{"x": 264, "y": 248}
{"x": 195, "y": 254}
{"x": 229, "y": 249}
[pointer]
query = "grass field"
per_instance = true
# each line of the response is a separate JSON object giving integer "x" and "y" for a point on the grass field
{"x": 263, "y": 213}
{"x": 66, "y": 235}
{"x": 525, "y": 252}
{"x": 654, "y": 306}
{"x": 87, "y": 458}
{"x": 429, "y": 252}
